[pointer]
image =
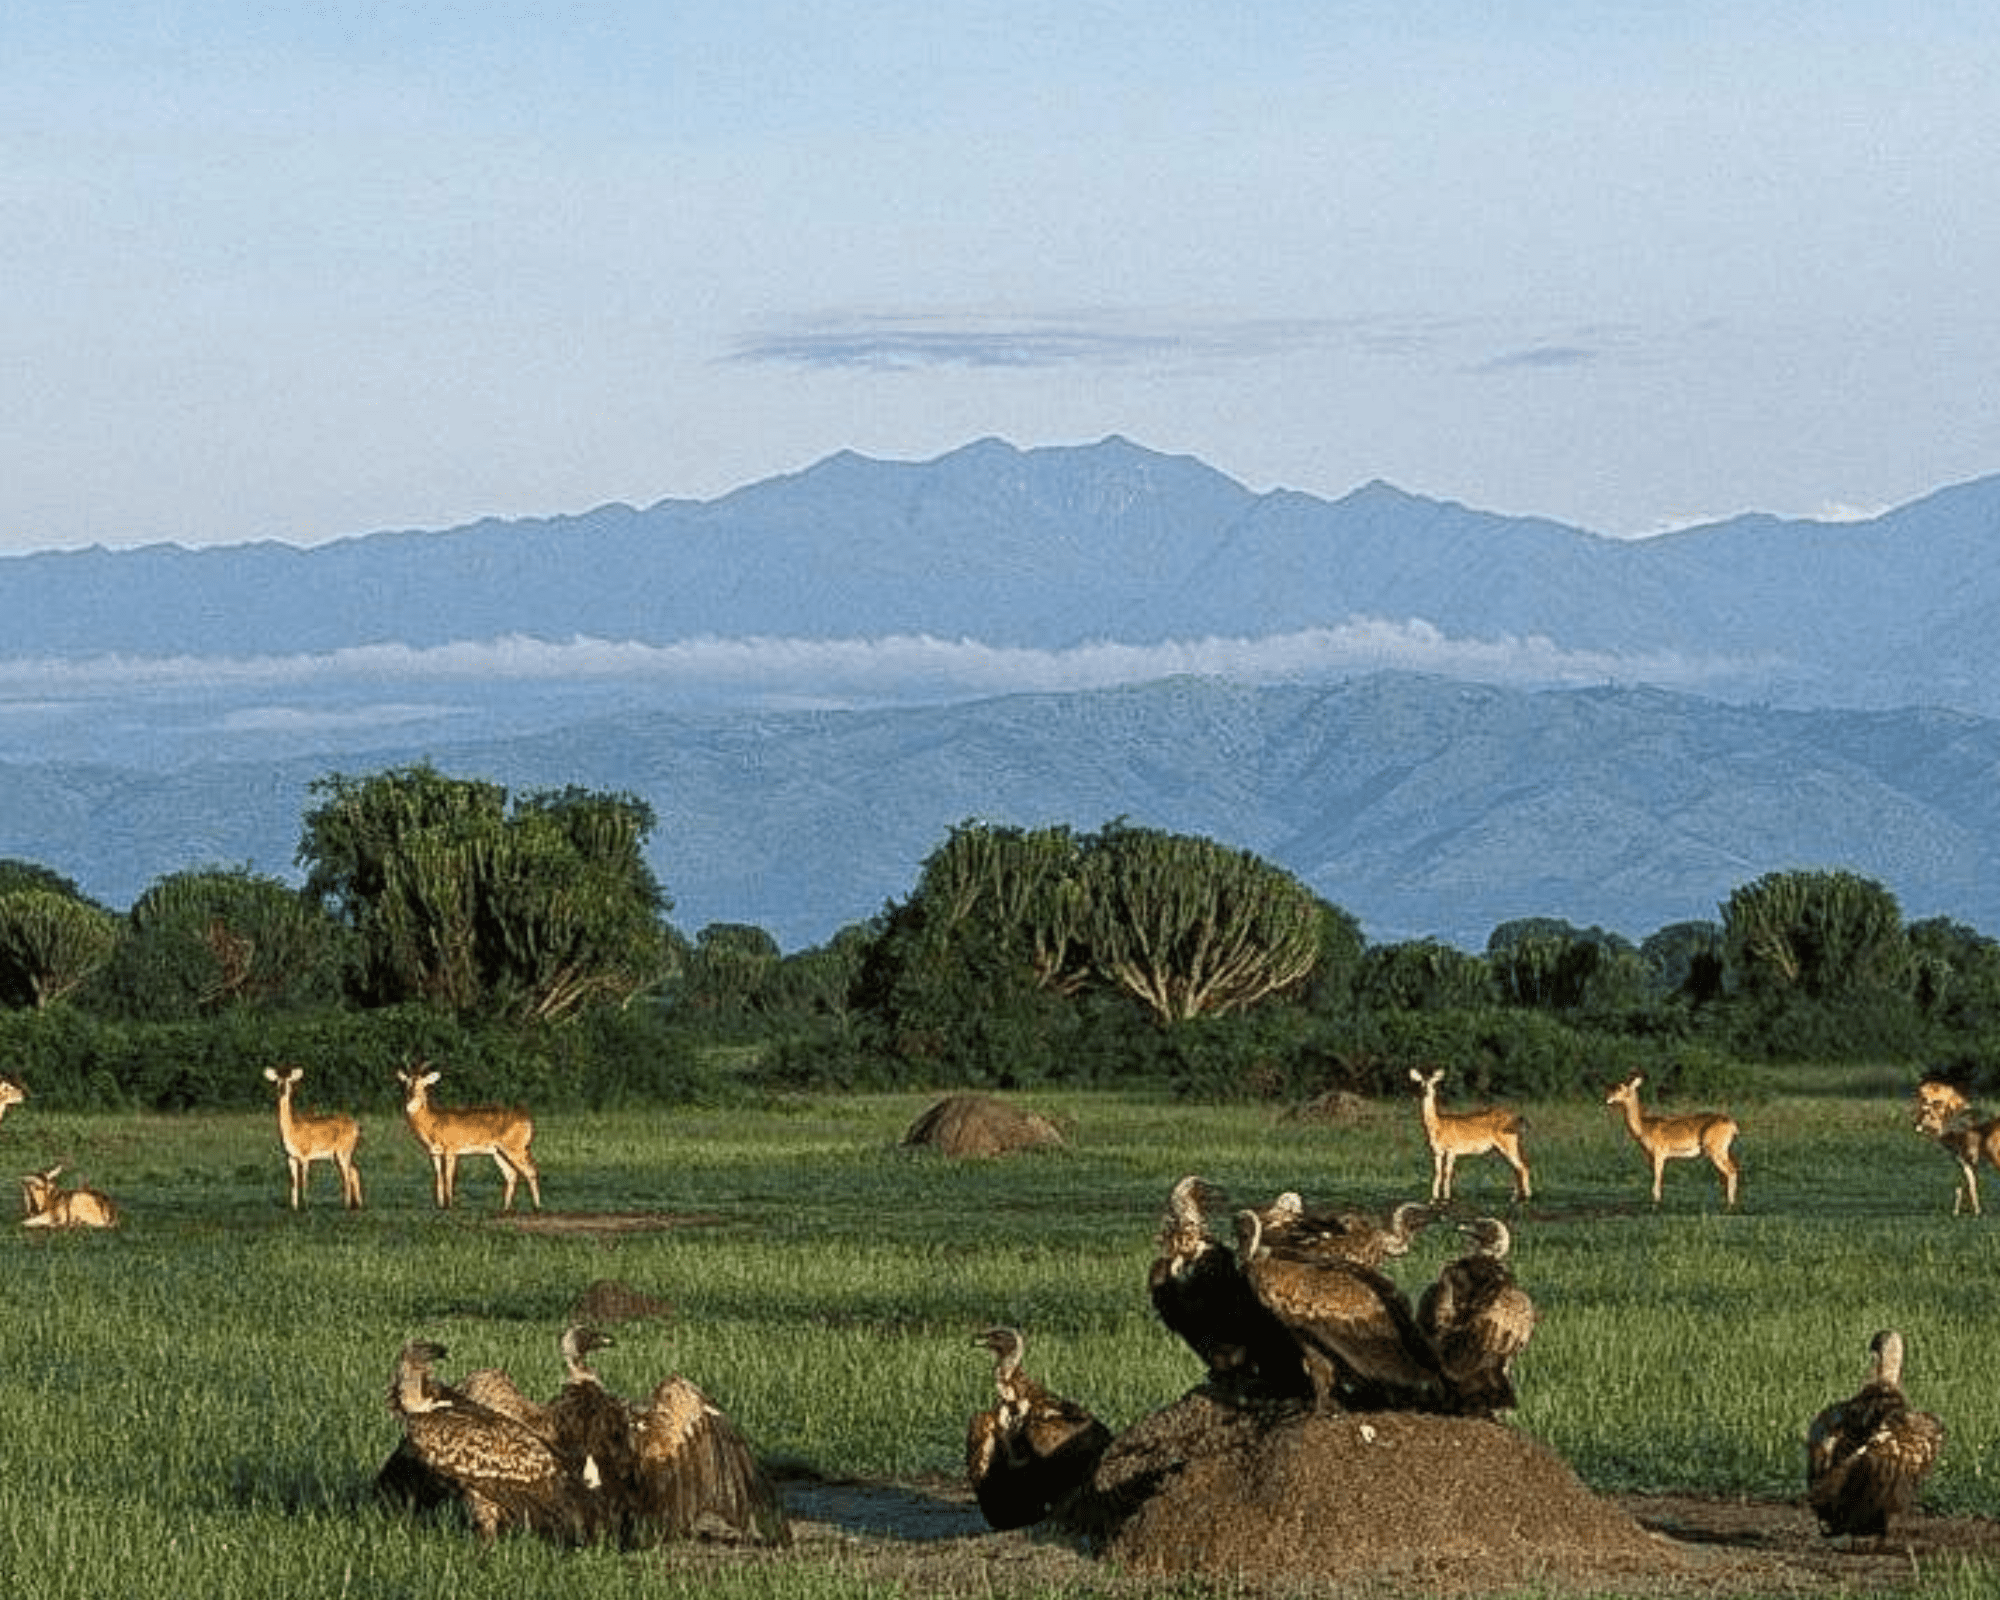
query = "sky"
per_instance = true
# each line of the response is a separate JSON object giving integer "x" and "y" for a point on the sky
{"x": 297, "y": 272}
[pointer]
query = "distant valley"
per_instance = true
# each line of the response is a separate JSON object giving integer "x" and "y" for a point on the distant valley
{"x": 1438, "y": 717}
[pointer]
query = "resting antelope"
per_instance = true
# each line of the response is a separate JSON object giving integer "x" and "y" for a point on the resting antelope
{"x": 11, "y": 1094}
{"x": 502, "y": 1132}
{"x": 1470, "y": 1133}
{"x": 1946, "y": 1115}
{"x": 308, "y": 1138}
{"x": 1704, "y": 1133}
{"x": 49, "y": 1206}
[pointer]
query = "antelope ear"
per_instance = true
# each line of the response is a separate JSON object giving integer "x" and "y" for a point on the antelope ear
{"x": 271, "y": 1073}
{"x": 429, "y": 1077}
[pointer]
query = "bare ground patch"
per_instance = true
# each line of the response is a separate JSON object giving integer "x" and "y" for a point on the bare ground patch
{"x": 927, "y": 1536}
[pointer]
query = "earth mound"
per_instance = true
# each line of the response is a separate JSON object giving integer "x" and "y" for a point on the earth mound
{"x": 1213, "y": 1489}
{"x": 608, "y": 1300}
{"x": 979, "y": 1125}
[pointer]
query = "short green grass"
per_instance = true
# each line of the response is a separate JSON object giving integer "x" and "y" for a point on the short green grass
{"x": 194, "y": 1404}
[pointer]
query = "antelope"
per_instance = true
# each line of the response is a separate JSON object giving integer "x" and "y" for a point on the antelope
{"x": 49, "y": 1206}
{"x": 1470, "y": 1133}
{"x": 1704, "y": 1133}
{"x": 502, "y": 1132}
{"x": 1946, "y": 1115}
{"x": 11, "y": 1094}
{"x": 308, "y": 1138}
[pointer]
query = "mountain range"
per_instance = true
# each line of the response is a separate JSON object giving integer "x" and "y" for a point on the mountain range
{"x": 1441, "y": 718}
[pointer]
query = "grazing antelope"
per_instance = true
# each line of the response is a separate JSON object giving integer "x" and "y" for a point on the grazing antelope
{"x": 1470, "y": 1133}
{"x": 11, "y": 1094}
{"x": 1943, "y": 1114}
{"x": 49, "y": 1206}
{"x": 502, "y": 1132}
{"x": 1705, "y": 1133}
{"x": 308, "y": 1138}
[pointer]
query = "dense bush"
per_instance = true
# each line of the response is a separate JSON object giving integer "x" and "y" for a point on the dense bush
{"x": 70, "y": 1060}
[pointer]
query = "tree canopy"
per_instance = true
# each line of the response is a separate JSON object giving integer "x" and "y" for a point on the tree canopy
{"x": 533, "y": 910}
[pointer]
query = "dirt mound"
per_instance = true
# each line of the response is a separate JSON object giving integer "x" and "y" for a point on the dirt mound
{"x": 608, "y": 1300}
{"x": 1213, "y": 1489}
{"x": 1340, "y": 1108}
{"x": 979, "y": 1125}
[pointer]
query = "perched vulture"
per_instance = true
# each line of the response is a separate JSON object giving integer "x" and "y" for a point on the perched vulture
{"x": 1357, "y": 1236}
{"x": 1353, "y": 1326}
{"x": 1030, "y": 1449}
{"x": 1478, "y": 1320}
{"x": 1867, "y": 1457}
{"x": 1199, "y": 1292}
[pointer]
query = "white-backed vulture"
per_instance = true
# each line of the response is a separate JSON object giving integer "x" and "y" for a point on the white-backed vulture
{"x": 1867, "y": 1456}
{"x": 1358, "y": 1236}
{"x": 592, "y": 1427}
{"x": 1478, "y": 1320}
{"x": 1199, "y": 1292}
{"x": 1030, "y": 1450}
{"x": 694, "y": 1473}
{"x": 1352, "y": 1325}
{"x": 506, "y": 1476}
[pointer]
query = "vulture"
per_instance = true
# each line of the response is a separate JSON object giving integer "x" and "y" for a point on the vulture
{"x": 492, "y": 1388}
{"x": 506, "y": 1475}
{"x": 1352, "y": 1326}
{"x": 693, "y": 1472}
{"x": 1199, "y": 1292}
{"x": 590, "y": 1427}
{"x": 1348, "y": 1235}
{"x": 1478, "y": 1320}
{"x": 1867, "y": 1457}
{"x": 1030, "y": 1449}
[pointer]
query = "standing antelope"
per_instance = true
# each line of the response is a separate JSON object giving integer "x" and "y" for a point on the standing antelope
{"x": 308, "y": 1138}
{"x": 49, "y": 1206}
{"x": 1470, "y": 1133}
{"x": 11, "y": 1094}
{"x": 502, "y": 1132}
{"x": 1946, "y": 1115}
{"x": 1705, "y": 1133}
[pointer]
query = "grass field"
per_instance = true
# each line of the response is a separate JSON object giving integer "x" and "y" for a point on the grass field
{"x": 194, "y": 1404}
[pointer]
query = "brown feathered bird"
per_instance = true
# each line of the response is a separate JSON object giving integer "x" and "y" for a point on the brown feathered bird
{"x": 504, "y": 1473}
{"x": 1199, "y": 1292}
{"x": 1352, "y": 1325}
{"x": 1867, "y": 1457}
{"x": 694, "y": 1473}
{"x": 590, "y": 1427}
{"x": 1349, "y": 1235}
{"x": 1030, "y": 1450}
{"x": 1478, "y": 1320}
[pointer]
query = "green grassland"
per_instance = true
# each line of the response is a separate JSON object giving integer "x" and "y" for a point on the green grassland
{"x": 194, "y": 1404}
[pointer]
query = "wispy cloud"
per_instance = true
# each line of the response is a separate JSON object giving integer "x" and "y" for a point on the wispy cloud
{"x": 1541, "y": 357}
{"x": 892, "y": 341}
{"x": 303, "y": 719}
{"x": 835, "y": 672}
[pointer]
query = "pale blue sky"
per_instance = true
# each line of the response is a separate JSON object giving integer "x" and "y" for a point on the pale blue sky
{"x": 297, "y": 271}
